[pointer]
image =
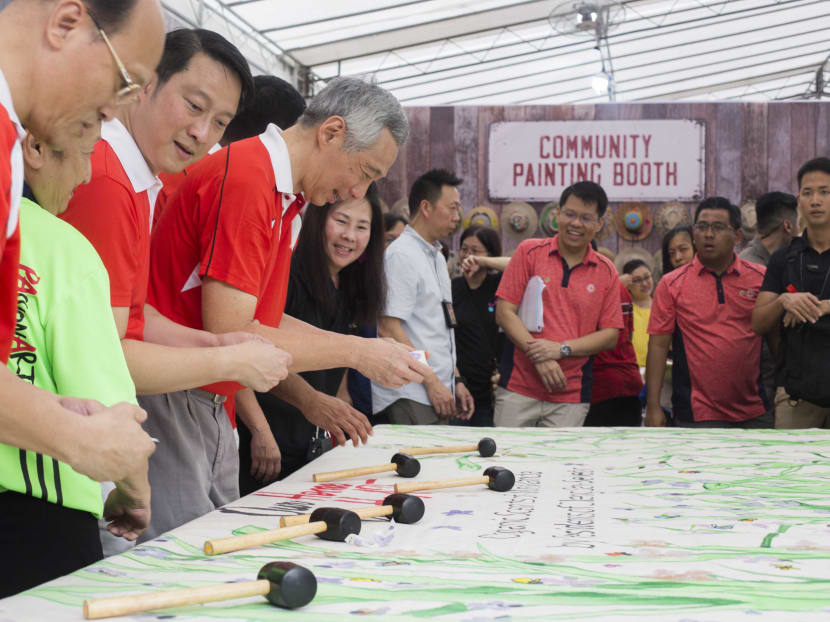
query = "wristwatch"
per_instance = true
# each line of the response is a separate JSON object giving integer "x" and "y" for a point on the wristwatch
{"x": 460, "y": 378}
{"x": 565, "y": 350}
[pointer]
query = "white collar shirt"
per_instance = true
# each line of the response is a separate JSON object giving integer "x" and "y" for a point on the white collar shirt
{"x": 127, "y": 151}
{"x": 417, "y": 282}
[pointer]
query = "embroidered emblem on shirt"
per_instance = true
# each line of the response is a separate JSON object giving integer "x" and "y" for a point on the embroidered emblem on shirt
{"x": 591, "y": 288}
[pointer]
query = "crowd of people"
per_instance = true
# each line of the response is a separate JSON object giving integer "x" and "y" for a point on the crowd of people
{"x": 188, "y": 249}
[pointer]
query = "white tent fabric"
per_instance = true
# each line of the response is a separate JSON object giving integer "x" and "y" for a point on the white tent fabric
{"x": 452, "y": 52}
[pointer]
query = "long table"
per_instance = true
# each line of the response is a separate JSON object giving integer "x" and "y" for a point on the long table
{"x": 602, "y": 524}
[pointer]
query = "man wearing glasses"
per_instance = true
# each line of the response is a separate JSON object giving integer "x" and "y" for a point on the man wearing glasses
{"x": 59, "y": 77}
{"x": 546, "y": 375}
{"x": 702, "y": 311}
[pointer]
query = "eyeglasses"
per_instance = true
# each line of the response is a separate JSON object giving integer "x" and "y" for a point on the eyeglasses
{"x": 585, "y": 219}
{"x": 130, "y": 88}
{"x": 639, "y": 280}
{"x": 716, "y": 227}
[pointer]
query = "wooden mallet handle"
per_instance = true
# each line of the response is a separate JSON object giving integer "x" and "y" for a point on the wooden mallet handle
{"x": 332, "y": 475}
{"x": 442, "y": 483}
{"x": 135, "y": 603}
{"x": 371, "y": 511}
{"x": 449, "y": 449}
{"x": 236, "y": 543}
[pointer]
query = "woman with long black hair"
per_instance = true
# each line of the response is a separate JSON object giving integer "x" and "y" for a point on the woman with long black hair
{"x": 336, "y": 284}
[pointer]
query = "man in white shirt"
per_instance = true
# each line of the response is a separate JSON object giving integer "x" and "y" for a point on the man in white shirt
{"x": 418, "y": 310}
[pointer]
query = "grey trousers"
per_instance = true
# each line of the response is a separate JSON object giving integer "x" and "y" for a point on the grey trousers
{"x": 195, "y": 468}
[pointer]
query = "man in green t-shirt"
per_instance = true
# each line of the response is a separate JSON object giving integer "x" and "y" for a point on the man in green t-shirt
{"x": 66, "y": 343}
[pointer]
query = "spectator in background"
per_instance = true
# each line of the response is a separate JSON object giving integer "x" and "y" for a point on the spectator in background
{"x": 480, "y": 341}
{"x": 418, "y": 310}
{"x": 615, "y": 398}
{"x": 704, "y": 310}
{"x": 545, "y": 378}
{"x": 393, "y": 224}
{"x": 344, "y": 242}
{"x": 794, "y": 300}
{"x": 777, "y": 214}
{"x": 637, "y": 279}
{"x": 274, "y": 101}
{"x": 777, "y": 225}
{"x": 678, "y": 248}
{"x": 360, "y": 387}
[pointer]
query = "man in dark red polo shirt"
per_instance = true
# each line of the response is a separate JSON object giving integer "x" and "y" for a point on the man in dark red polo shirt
{"x": 546, "y": 375}
{"x": 702, "y": 311}
{"x": 59, "y": 77}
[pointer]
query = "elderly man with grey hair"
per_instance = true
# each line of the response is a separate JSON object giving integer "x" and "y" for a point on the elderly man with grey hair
{"x": 220, "y": 260}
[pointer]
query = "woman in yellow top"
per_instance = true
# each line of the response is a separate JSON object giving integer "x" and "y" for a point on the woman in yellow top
{"x": 641, "y": 285}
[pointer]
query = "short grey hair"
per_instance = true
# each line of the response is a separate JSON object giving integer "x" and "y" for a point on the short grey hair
{"x": 367, "y": 109}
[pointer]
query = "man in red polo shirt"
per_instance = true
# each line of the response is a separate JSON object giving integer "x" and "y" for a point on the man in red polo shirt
{"x": 222, "y": 249}
{"x": 175, "y": 119}
{"x": 546, "y": 376}
{"x": 61, "y": 72}
{"x": 703, "y": 310}
{"x": 274, "y": 101}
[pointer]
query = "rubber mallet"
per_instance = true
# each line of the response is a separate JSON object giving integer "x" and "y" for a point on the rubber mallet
{"x": 284, "y": 584}
{"x": 486, "y": 447}
{"x": 404, "y": 464}
{"x": 497, "y": 478}
{"x": 404, "y": 509}
{"x": 326, "y": 523}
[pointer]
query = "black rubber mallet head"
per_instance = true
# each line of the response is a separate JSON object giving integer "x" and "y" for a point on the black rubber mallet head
{"x": 501, "y": 479}
{"x": 486, "y": 447}
{"x": 406, "y": 509}
{"x": 339, "y": 523}
{"x": 292, "y": 586}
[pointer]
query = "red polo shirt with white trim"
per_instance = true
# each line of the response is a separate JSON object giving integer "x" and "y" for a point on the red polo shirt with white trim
{"x": 11, "y": 189}
{"x": 234, "y": 219}
{"x": 114, "y": 211}
{"x": 576, "y": 302}
{"x": 716, "y": 367}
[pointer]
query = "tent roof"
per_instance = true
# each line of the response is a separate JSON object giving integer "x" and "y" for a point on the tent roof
{"x": 453, "y": 52}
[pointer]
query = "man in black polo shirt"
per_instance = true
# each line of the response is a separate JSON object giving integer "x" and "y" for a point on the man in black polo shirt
{"x": 794, "y": 298}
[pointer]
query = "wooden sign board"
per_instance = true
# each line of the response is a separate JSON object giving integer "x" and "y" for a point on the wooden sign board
{"x": 636, "y": 160}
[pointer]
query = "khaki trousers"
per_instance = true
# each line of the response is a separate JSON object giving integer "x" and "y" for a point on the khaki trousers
{"x": 798, "y": 414}
{"x": 514, "y": 410}
{"x": 409, "y": 412}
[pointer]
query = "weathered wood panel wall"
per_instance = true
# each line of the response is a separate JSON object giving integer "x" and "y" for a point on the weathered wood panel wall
{"x": 751, "y": 148}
